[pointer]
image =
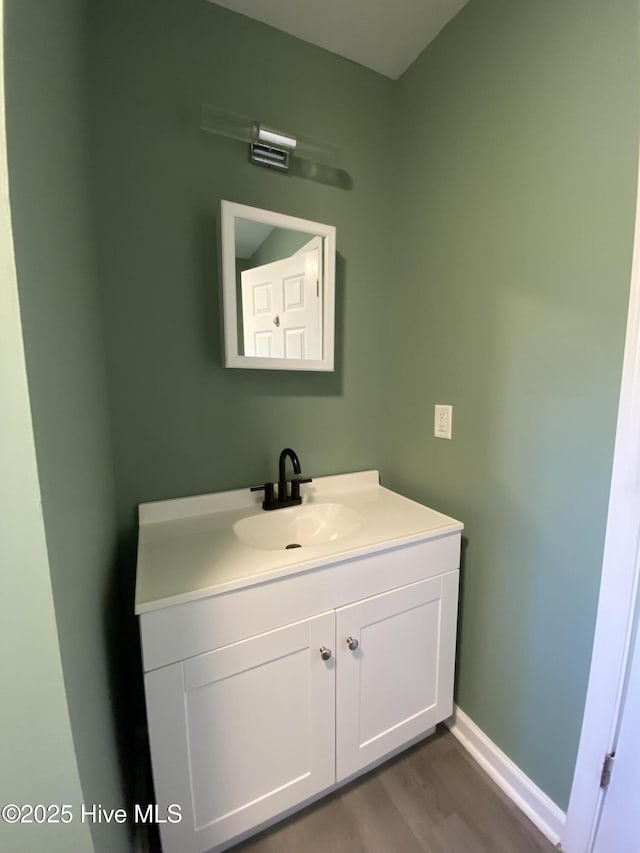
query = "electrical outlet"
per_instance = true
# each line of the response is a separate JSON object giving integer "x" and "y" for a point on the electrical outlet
{"x": 442, "y": 421}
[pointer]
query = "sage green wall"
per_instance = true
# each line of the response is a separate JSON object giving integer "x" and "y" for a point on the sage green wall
{"x": 47, "y": 155}
{"x": 182, "y": 423}
{"x": 516, "y": 182}
{"x": 486, "y": 265}
{"x": 38, "y": 758}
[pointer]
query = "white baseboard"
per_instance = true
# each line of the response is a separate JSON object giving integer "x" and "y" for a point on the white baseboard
{"x": 537, "y": 806}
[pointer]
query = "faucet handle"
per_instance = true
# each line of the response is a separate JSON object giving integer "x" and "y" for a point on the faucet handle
{"x": 295, "y": 486}
{"x": 267, "y": 488}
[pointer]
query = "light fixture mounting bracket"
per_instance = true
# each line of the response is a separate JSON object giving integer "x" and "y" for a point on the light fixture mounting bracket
{"x": 269, "y": 156}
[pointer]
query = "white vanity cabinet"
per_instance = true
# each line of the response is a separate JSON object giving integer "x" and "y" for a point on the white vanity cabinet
{"x": 249, "y": 715}
{"x": 242, "y": 733}
{"x": 397, "y": 682}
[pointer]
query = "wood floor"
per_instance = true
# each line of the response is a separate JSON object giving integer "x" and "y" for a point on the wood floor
{"x": 431, "y": 799}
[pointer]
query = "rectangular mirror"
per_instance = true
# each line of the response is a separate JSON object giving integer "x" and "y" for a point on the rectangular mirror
{"x": 278, "y": 290}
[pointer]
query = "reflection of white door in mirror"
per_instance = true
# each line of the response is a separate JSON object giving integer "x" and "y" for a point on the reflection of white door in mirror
{"x": 278, "y": 292}
{"x": 282, "y": 307}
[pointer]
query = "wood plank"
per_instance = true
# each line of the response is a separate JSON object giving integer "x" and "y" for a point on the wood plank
{"x": 453, "y": 835}
{"x": 325, "y": 826}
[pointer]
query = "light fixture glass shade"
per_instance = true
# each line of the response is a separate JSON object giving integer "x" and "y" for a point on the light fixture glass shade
{"x": 225, "y": 123}
{"x": 245, "y": 129}
{"x": 276, "y": 137}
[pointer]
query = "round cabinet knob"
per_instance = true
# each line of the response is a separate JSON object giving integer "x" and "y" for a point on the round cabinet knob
{"x": 325, "y": 653}
{"x": 352, "y": 643}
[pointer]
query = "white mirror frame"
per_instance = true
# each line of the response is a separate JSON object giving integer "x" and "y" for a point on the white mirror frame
{"x": 229, "y": 212}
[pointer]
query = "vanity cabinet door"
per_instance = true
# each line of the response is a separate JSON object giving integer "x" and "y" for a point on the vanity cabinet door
{"x": 243, "y": 733}
{"x": 397, "y": 682}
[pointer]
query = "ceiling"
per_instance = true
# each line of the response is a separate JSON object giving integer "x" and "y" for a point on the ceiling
{"x": 384, "y": 35}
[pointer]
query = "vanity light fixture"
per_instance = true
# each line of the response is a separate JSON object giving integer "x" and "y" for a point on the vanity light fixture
{"x": 271, "y": 148}
{"x": 267, "y": 146}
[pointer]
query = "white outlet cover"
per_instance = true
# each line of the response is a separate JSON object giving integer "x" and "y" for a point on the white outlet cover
{"x": 442, "y": 421}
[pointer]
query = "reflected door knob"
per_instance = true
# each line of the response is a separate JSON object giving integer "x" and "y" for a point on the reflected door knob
{"x": 352, "y": 643}
{"x": 325, "y": 653}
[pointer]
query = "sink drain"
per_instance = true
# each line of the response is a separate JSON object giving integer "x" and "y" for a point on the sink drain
{"x": 292, "y": 545}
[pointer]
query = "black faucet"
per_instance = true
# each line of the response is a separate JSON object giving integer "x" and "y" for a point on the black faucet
{"x": 282, "y": 483}
{"x": 283, "y": 498}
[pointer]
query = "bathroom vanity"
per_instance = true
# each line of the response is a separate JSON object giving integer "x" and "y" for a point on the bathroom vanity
{"x": 273, "y": 674}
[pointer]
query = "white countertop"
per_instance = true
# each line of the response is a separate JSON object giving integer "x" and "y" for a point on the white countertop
{"x": 187, "y": 548}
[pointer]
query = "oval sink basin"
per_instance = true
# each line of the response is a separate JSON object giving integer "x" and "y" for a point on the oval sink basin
{"x": 310, "y": 524}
